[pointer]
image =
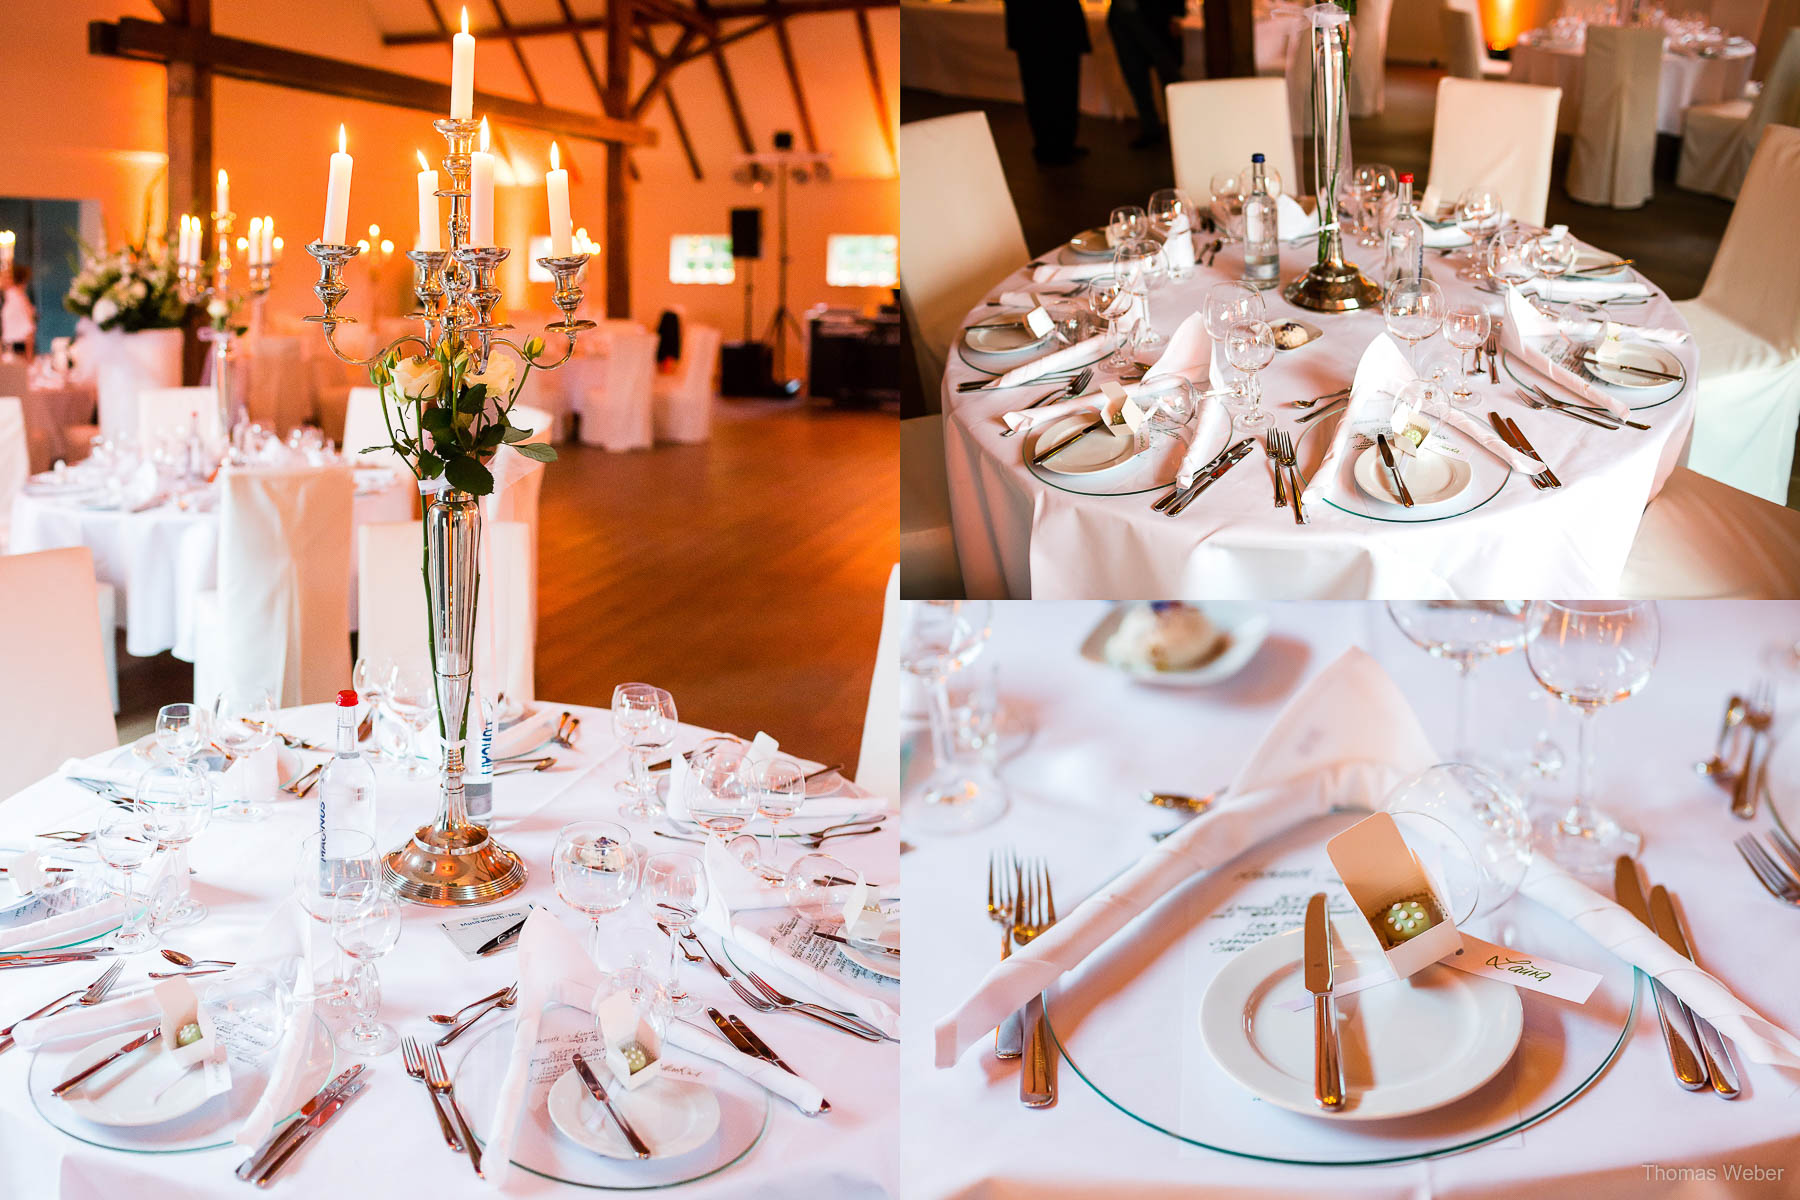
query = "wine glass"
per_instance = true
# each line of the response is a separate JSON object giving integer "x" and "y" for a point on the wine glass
{"x": 1141, "y": 263}
{"x": 1271, "y": 179}
{"x": 814, "y": 885}
{"x": 243, "y": 722}
{"x": 721, "y": 788}
{"x": 1172, "y": 215}
{"x": 1371, "y": 183}
{"x": 961, "y": 792}
{"x": 595, "y": 869}
{"x": 326, "y": 862}
{"x": 1509, "y": 260}
{"x": 1226, "y": 305}
{"x": 369, "y": 676}
{"x": 365, "y": 923}
{"x": 1478, "y": 212}
{"x": 1168, "y": 404}
{"x": 780, "y": 791}
{"x": 178, "y": 801}
{"x": 675, "y": 889}
{"x": 644, "y": 719}
{"x": 1228, "y": 204}
{"x": 1583, "y": 325}
{"x": 1249, "y": 347}
{"x": 1111, "y": 298}
{"x": 1552, "y": 256}
{"x": 180, "y": 731}
{"x": 1413, "y": 309}
{"x": 125, "y": 841}
{"x": 1127, "y": 223}
{"x": 1465, "y": 327}
{"x": 1588, "y": 654}
{"x": 410, "y": 694}
{"x": 1466, "y": 633}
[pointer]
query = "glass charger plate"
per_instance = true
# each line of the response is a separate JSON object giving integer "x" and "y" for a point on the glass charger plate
{"x": 1131, "y": 1013}
{"x": 543, "y": 1150}
{"x": 1150, "y": 471}
{"x": 1783, "y": 777}
{"x": 1639, "y": 399}
{"x": 208, "y": 1127}
{"x": 15, "y": 914}
{"x": 1489, "y": 476}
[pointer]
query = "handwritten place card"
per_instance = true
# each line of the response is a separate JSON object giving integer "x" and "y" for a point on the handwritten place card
{"x": 1532, "y": 972}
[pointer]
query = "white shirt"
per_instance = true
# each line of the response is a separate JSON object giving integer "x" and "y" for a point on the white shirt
{"x": 18, "y": 319}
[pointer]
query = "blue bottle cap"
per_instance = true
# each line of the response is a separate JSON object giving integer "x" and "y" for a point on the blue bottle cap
{"x": 1255, "y": 158}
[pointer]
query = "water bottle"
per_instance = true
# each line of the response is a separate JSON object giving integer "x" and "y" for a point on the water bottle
{"x": 1262, "y": 231}
{"x": 478, "y": 779}
{"x": 1405, "y": 240}
{"x": 347, "y": 785}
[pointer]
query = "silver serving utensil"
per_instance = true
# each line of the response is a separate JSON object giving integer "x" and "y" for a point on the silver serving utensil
{"x": 1768, "y": 872}
{"x": 848, "y": 1022}
{"x": 1328, "y": 1067}
{"x": 1518, "y": 437}
{"x": 1232, "y": 457}
{"x": 1717, "y": 1059}
{"x": 1590, "y": 360}
{"x": 1289, "y": 461}
{"x": 1533, "y": 402}
{"x": 1342, "y": 393}
{"x": 1037, "y": 1082}
{"x": 1671, "y": 1014}
{"x": 1271, "y": 442}
{"x": 183, "y": 960}
{"x": 453, "y": 1018}
{"x": 136, "y": 1043}
{"x": 1387, "y": 457}
{"x": 1493, "y": 351}
{"x": 761, "y": 1049}
{"x": 280, "y": 1138}
{"x": 1074, "y": 387}
{"x": 1330, "y": 407}
{"x": 1574, "y": 406}
{"x": 1002, "y": 907}
{"x": 841, "y": 940}
{"x": 504, "y": 1001}
{"x": 599, "y": 1092}
{"x": 527, "y": 766}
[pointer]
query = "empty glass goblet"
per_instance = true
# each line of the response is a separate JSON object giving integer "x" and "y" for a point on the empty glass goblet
{"x": 1111, "y": 298}
{"x": 125, "y": 841}
{"x": 595, "y": 868}
{"x": 1466, "y": 633}
{"x": 243, "y": 722}
{"x": 324, "y": 863}
{"x": 365, "y": 923}
{"x": 180, "y": 731}
{"x": 1226, "y": 305}
{"x": 780, "y": 791}
{"x": 962, "y": 792}
{"x": 1172, "y": 215}
{"x": 1250, "y": 346}
{"x": 178, "y": 800}
{"x": 410, "y": 694}
{"x": 1372, "y": 184}
{"x": 1478, "y": 214}
{"x": 1128, "y": 223}
{"x": 721, "y": 787}
{"x": 1141, "y": 264}
{"x": 675, "y": 890}
{"x": 1413, "y": 309}
{"x": 644, "y": 719}
{"x": 1168, "y": 405}
{"x": 1466, "y": 327}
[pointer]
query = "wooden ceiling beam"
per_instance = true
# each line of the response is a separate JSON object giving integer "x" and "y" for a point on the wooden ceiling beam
{"x": 518, "y": 51}
{"x": 881, "y": 104}
{"x": 725, "y": 11}
{"x": 665, "y": 65}
{"x": 793, "y": 74}
{"x": 620, "y": 16}
{"x": 681, "y": 134}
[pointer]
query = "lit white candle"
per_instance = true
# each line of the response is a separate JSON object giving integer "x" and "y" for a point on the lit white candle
{"x": 428, "y": 206}
{"x": 462, "y": 72}
{"x": 337, "y": 195}
{"x": 181, "y": 241}
{"x": 222, "y": 195}
{"x": 268, "y": 242}
{"x": 557, "y": 183}
{"x": 481, "y": 193}
{"x": 255, "y": 241}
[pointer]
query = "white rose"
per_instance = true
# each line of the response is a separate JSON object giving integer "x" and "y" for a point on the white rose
{"x": 138, "y": 290}
{"x": 217, "y": 309}
{"x": 104, "y": 311}
{"x": 418, "y": 378}
{"x": 500, "y": 375}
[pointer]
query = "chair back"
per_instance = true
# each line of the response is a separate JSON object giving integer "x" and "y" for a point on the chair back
{"x": 684, "y": 407}
{"x": 878, "y": 762}
{"x": 166, "y": 411}
{"x": 1779, "y": 101}
{"x": 15, "y": 460}
{"x": 1463, "y": 48}
{"x": 1215, "y": 125}
{"x": 1497, "y": 135}
{"x": 1762, "y": 231}
{"x": 52, "y": 653}
{"x": 959, "y": 232}
{"x": 506, "y": 614}
{"x": 280, "y": 393}
{"x": 390, "y": 594}
{"x": 616, "y": 411}
{"x": 1615, "y": 136}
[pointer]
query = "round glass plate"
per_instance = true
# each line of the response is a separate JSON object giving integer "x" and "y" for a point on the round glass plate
{"x": 1128, "y": 1020}
{"x": 208, "y": 1127}
{"x": 1000, "y": 362}
{"x": 1783, "y": 775}
{"x": 1639, "y": 399}
{"x": 1153, "y": 470}
{"x": 1488, "y": 476}
{"x": 543, "y": 1150}
{"x": 17, "y": 913}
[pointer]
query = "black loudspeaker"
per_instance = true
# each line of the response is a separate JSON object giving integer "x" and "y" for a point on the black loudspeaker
{"x": 746, "y": 233}
{"x": 746, "y": 369}
{"x": 784, "y": 141}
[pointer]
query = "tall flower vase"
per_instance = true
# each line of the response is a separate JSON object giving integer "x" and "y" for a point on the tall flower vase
{"x": 453, "y": 861}
{"x": 126, "y": 364}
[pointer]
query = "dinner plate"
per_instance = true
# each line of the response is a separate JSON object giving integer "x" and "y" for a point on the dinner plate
{"x": 1088, "y": 455}
{"x": 1091, "y": 243}
{"x": 1430, "y": 478}
{"x": 1587, "y": 258}
{"x": 1783, "y": 777}
{"x": 1244, "y": 625}
{"x": 146, "y": 1087}
{"x": 1647, "y": 355}
{"x": 885, "y": 965}
{"x": 1407, "y": 1046}
{"x": 1002, "y": 338}
{"x": 672, "y": 1115}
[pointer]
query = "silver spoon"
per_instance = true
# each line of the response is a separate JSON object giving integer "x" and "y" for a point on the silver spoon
{"x": 1716, "y": 766}
{"x": 1337, "y": 395}
{"x": 452, "y": 1018}
{"x": 183, "y": 960}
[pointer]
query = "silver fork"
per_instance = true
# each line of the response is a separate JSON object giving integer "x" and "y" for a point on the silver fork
{"x": 1292, "y": 464}
{"x": 1002, "y": 906}
{"x": 96, "y": 992}
{"x": 1272, "y": 448}
{"x": 414, "y": 1057}
{"x": 1037, "y": 1083}
{"x": 1758, "y": 716}
{"x": 843, "y": 1020}
{"x": 1074, "y": 387}
{"x": 1768, "y": 872}
{"x": 438, "y": 1080}
{"x": 743, "y": 993}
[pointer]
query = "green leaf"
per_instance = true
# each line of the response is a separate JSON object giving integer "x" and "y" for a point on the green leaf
{"x": 372, "y": 449}
{"x": 515, "y": 434}
{"x": 490, "y": 437}
{"x": 468, "y": 475}
{"x": 436, "y": 421}
{"x": 473, "y": 398}
{"x": 430, "y": 465}
{"x": 536, "y": 450}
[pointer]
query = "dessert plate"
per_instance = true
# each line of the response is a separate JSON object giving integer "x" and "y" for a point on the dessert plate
{"x": 1244, "y": 625}
{"x": 1091, "y": 243}
{"x": 1430, "y": 478}
{"x": 1646, "y": 355}
{"x": 1088, "y": 455}
{"x": 673, "y": 1116}
{"x": 146, "y": 1087}
{"x": 1002, "y": 333}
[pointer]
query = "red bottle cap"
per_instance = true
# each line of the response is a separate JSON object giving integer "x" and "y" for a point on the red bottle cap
{"x": 346, "y": 699}
{"x": 1406, "y": 177}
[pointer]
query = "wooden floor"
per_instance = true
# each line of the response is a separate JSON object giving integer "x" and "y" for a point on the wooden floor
{"x": 745, "y": 575}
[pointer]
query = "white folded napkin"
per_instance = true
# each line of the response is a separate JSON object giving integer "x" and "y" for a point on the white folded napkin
{"x": 1178, "y": 245}
{"x": 732, "y": 885}
{"x": 75, "y": 925}
{"x": 1293, "y": 221}
{"x": 1084, "y": 351}
{"x": 1588, "y": 289}
{"x": 1616, "y": 331}
{"x": 124, "y": 777}
{"x": 1072, "y": 273}
{"x": 1525, "y": 335}
{"x": 1445, "y": 237}
{"x": 796, "y": 1091}
{"x": 1186, "y": 356}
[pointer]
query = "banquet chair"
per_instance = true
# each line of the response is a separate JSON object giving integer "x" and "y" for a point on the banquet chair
{"x": 1497, "y": 135}
{"x": 1368, "y": 66}
{"x": 278, "y": 397}
{"x": 1704, "y": 540}
{"x": 1465, "y": 46}
{"x": 1746, "y": 324}
{"x": 878, "y": 761}
{"x": 390, "y": 594}
{"x": 1719, "y": 140}
{"x": 959, "y": 232}
{"x": 280, "y": 617}
{"x": 518, "y": 484}
{"x": 928, "y": 563}
{"x": 165, "y": 411}
{"x": 51, "y": 650}
{"x": 1215, "y": 125}
{"x": 615, "y": 399}
{"x": 15, "y": 461}
{"x": 1615, "y": 135}
{"x": 684, "y": 401}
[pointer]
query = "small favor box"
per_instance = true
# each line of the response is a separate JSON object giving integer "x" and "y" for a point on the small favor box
{"x": 185, "y": 1021}
{"x": 633, "y": 1046}
{"x": 1391, "y": 890}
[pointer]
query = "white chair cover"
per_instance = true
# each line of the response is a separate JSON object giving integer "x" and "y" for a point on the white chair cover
{"x": 928, "y": 560}
{"x": 1746, "y": 323}
{"x": 108, "y": 599}
{"x": 506, "y": 612}
{"x": 1215, "y": 125}
{"x": 15, "y": 460}
{"x": 280, "y": 397}
{"x": 615, "y": 402}
{"x": 1615, "y": 137}
{"x": 878, "y": 762}
{"x": 684, "y": 401}
{"x": 55, "y": 706}
{"x": 548, "y": 392}
{"x": 1368, "y": 57}
{"x": 1701, "y": 539}
{"x": 164, "y": 411}
{"x": 280, "y": 619}
{"x": 959, "y": 231}
{"x": 518, "y": 484}
{"x": 1718, "y": 140}
{"x": 1465, "y": 47}
{"x": 330, "y": 383}
{"x": 390, "y": 597}
{"x": 1497, "y": 135}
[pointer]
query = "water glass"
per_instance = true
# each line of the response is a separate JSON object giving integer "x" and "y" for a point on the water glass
{"x": 1111, "y": 299}
{"x": 1478, "y": 214}
{"x": 940, "y": 638}
{"x": 1465, "y": 633}
{"x": 1226, "y": 305}
{"x": 1249, "y": 347}
{"x": 125, "y": 841}
{"x": 721, "y": 787}
{"x": 365, "y": 923}
{"x": 1466, "y": 327}
{"x": 180, "y": 731}
{"x": 595, "y": 869}
{"x": 1128, "y": 223}
{"x": 1140, "y": 263}
{"x": 643, "y": 718}
{"x": 410, "y": 694}
{"x": 815, "y": 888}
{"x": 325, "y": 863}
{"x": 780, "y": 791}
{"x": 1171, "y": 215}
{"x": 243, "y": 722}
{"x": 675, "y": 890}
{"x": 1373, "y": 185}
{"x": 1414, "y": 310}
{"x": 178, "y": 800}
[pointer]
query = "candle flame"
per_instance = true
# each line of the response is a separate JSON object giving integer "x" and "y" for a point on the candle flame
{"x": 465, "y": 20}
{"x": 555, "y": 164}
{"x": 221, "y": 176}
{"x": 374, "y": 233}
{"x": 342, "y": 147}
{"x": 255, "y": 226}
{"x": 484, "y": 135}
{"x": 423, "y": 165}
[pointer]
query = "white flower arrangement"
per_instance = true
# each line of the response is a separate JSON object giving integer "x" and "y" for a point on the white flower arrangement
{"x": 128, "y": 290}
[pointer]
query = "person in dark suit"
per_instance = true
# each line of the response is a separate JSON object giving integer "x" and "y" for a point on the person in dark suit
{"x": 1146, "y": 35}
{"x": 1049, "y": 37}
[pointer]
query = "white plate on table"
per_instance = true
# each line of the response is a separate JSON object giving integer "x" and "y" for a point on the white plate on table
{"x": 1407, "y": 1046}
{"x": 1007, "y": 334}
{"x": 1430, "y": 478}
{"x": 1089, "y": 455}
{"x": 672, "y": 1115}
{"x": 1091, "y": 243}
{"x": 885, "y": 965}
{"x": 1244, "y": 625}
{"x": 1647, "y": 355}
{"x": 146, "y": 1087}
{"x": 1587, "y": 258}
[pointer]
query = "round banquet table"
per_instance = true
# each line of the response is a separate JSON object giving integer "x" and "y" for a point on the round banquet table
{"x": 1019, "y": 536}
{"x": 49, "y": 413}
{"x": 388, "y": 1143}
{"x": 1686, "y": 80}
{"x": 163, "y": 558}
{"x": 1097, "y": 740}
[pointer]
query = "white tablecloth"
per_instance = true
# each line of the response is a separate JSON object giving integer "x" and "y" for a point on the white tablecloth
{"x": 48, "y": 414}
{"x": 388, "y": 1144}
{"x": 959, "y": 49}
{"x": 1017, "y": 536}
{"x": 1687, "y": 79}
{"x": 161, "y": 560}
{"x": 1100, "y": 740}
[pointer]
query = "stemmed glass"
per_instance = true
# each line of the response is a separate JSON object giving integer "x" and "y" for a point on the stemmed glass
{"x": 1465, "y": 327}
{"x": 1478, "y": 212}
{"x": 1250, "y": 346}
{"x": 1583, "y": 325}
{"x": 369, "y": 677}
{"x": 1172, "y": 214}
{"x": 410, "y": 693}
{"x": 595, "y": 868}
{"x": 1111, "y": 298}
{"x": 675, "y": 890}
{"x": 1589, "y": 654}
{"x": 365, "y": 923}
{"x": 643, "y": 718}
{"x": 962, "y": 792}
{"x": 326, "y": 863}
{"x": 180, "y": 731}
{"x": 1128, "y": 223}
{"x": 243, "y": 721}
{"x": 125, "y": 841}
{"x": 1551, "y": 256}
{"x": 1226, "y": 305}
{"x": 780, "y": 791}
{"x": 178, "y": 801}
{"x": 1509, "y": 258}
{"x": 1373, "y": 184}
{"x": 1466, "y": 633}
{"x": 1228, "y": 204}
{"x": 721, "y": 791}
{"x": 1414, "y": 309}
{"x": 1141, "y": 263}
{"x": 1168, "y": 404}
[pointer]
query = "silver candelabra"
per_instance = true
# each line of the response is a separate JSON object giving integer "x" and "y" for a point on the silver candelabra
{"x": 206, "y": 283}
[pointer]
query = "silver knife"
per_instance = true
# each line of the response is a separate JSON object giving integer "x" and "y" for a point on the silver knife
{"x": 1232, "y": 459}
{"x": 593, "y": 1085}
{"x": 1328, "y": 1068}
{"x": 1590, "y": 360}
{"x": 1690, "y": 1073}
{"x": 136, "y": 1043}
{"x": 1493, "y": 347}
{"x": 314, "y": 1124}
{"x": 1175, "y": 491}
{"x": 1090, "y": 427}
{"x": 1712, "y": 1047}
{"x": 844, "y": 941}
{"x": 279, "y": 1139}
{"x": 1387, "y": 456}
{"x": 1573, "y": 407}
{"x": 747, "y": 1042}
{"x": 1519, "y": 437}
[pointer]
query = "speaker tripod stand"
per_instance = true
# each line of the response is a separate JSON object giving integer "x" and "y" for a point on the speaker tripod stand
{"x": 781, "y": 166}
